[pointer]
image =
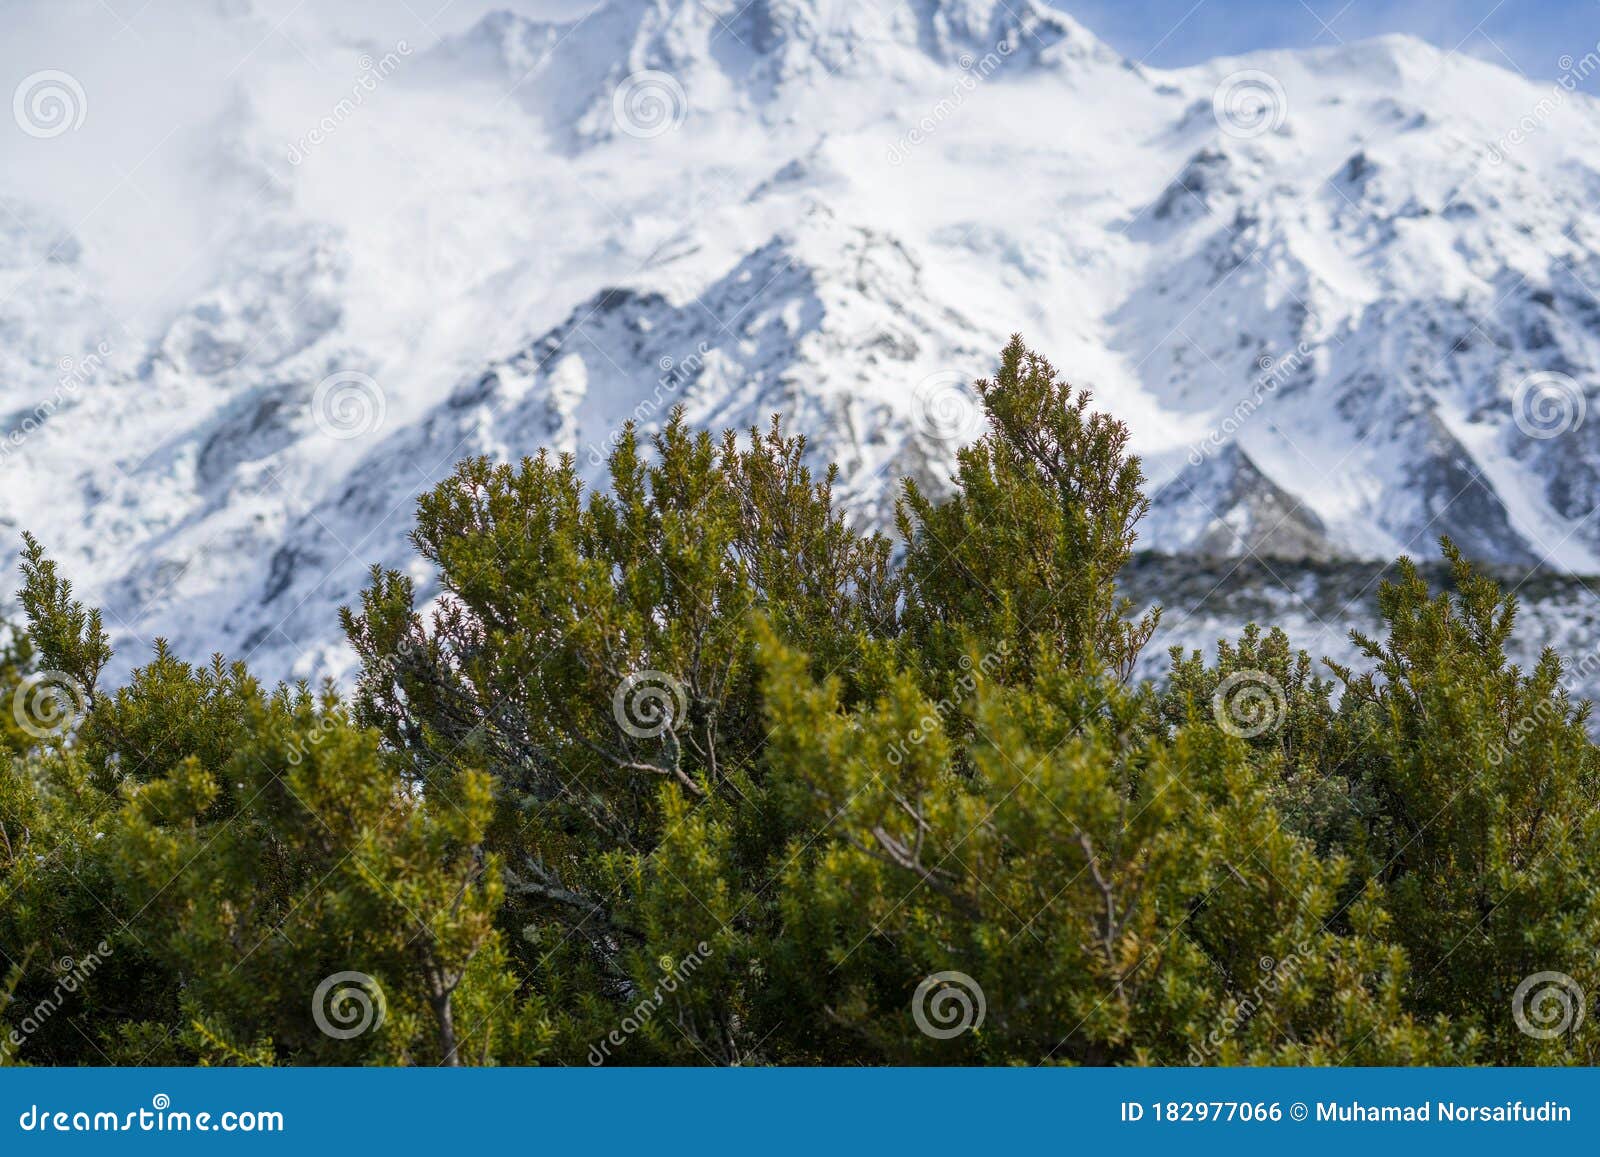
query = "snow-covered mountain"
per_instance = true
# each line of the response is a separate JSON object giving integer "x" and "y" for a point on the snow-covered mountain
{"x": 1341, "y": 296}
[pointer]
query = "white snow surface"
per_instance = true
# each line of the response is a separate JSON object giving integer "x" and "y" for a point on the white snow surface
{"x": 526, "y": 232}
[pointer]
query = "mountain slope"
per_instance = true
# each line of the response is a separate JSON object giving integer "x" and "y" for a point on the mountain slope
{"x": 1342, "y": 310}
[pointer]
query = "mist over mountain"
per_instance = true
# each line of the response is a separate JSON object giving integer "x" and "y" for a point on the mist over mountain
{"x": 1342, "y": 296}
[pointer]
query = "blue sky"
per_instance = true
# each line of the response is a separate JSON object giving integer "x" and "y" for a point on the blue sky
{"x": 1531, "y": 35}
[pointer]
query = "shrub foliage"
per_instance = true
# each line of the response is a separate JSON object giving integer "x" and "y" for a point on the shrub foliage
{"x": 688, "y": 770}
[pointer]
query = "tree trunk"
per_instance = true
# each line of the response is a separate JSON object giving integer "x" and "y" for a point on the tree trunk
{"x": 439, "y": 995}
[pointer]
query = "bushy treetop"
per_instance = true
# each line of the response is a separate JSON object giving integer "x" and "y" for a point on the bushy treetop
{"x": 689, "y": 768}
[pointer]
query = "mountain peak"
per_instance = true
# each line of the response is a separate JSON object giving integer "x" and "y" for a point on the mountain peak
{"x": 1397, "y": 59}
{"x": 1363, "y": 332}
{"x": 712, "y": 54}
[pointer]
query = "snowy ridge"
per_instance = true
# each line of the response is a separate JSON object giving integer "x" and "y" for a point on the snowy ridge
{"x": 1320, "y": 312}
{"x": 746, "y": 54}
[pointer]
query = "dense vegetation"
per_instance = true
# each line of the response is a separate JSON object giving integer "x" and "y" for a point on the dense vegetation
{"x": 690, "y": 771}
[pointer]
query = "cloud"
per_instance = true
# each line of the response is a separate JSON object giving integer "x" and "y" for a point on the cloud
{"x": 170, "y": 103}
